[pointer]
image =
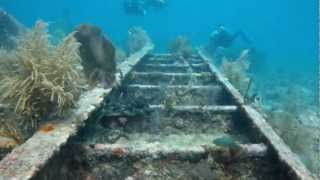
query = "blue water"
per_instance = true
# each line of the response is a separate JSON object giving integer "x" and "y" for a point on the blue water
{"x": 285, "y": 29}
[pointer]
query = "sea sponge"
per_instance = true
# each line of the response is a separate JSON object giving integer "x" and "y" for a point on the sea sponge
{"x": 46, "y": 78}
{"x": 181, "y": 46}
{"x": 98, "y": 55}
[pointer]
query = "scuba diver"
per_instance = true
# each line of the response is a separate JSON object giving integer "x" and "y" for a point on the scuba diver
{"x": 140, "y": 7}
{"x": 222, "y": 38}
{"x": 135, "y": 7}
{"x": 157, "y": 3}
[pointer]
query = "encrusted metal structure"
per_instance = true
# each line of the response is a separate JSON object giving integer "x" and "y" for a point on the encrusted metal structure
{"x": 144, "y": 76}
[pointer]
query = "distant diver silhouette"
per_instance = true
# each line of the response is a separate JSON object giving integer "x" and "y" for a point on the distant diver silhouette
{"x": 140, "y": 7}
{"x": 221, "y": 37}
{"x": 156, "y": 3}
{"x": 135, "y": 7}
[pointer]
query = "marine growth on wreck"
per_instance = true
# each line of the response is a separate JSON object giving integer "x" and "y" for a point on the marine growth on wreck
{"x": 159, "y": 89}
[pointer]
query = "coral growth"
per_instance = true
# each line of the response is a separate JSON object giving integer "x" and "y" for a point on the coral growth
{"x": 98, "y": 55}
{"x": 12, "y": 133}
{"x": 137, "y": 39}
{"x": 181, "y": 46}
{"x": 8, "y": 61}
{"x": 289, "y": 121}
{"x": 45, "y": 78}
{"x": 237, "y": 72}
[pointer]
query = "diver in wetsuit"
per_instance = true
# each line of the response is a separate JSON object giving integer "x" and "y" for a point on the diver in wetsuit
{"x": 140, "y": 7}
{"x": 156, "y": 3}
{"x": 135, "y": 7}
{"x": 222, "y": 38}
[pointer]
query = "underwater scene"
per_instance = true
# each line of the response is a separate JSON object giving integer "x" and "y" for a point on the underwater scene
{"x": 159, "y": 90}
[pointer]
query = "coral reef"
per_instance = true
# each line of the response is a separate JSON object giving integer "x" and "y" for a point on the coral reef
{"x": 288, "y": 102}
{"x": 10, "y": 30}
{"x": 137, "y": 39}
{"x": 98, "y": 55}
{"x": 45, "y": 79}
{"x": 181, "y": 46}
{"x": 289, "y": 121}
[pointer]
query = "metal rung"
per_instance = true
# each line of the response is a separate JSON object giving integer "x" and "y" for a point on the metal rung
{"x": 184, "y": 65}
{"x": 167, "y": 65}
{"x": 169, "y": 74}
{"x": 141, "y": 86}
{"x": 198, "y": 108}
{"x": 151, "y": 150}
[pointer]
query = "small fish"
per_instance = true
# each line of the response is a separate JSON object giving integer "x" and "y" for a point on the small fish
{"x": 226, "y": 141}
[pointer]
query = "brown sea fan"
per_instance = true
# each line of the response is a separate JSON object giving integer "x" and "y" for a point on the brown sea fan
{"x": 237, "y": 72}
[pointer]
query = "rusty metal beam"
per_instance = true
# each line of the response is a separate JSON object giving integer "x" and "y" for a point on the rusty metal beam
{"x": 227, "y": 109}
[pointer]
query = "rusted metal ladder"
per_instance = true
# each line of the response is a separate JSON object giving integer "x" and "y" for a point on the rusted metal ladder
{"x": 190, "y": 104}
{"x": 181, "y": 91}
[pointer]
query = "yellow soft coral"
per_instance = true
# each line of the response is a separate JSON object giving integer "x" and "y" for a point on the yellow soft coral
{"x": 47, "y": 78}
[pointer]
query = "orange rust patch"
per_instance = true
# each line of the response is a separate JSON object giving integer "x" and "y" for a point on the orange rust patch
{"x": 47, "y": 128}
{"x": 118, "y": 152}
